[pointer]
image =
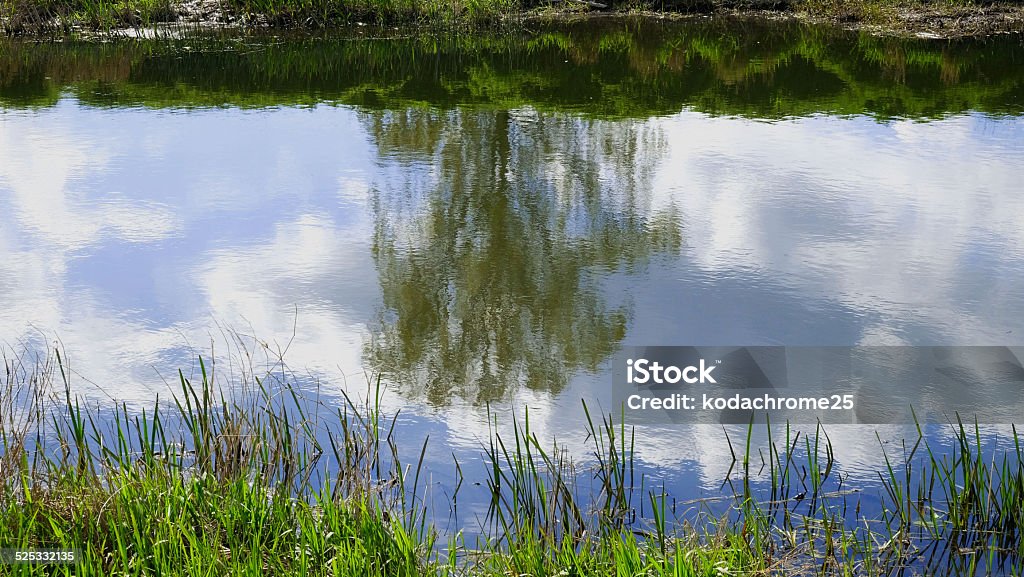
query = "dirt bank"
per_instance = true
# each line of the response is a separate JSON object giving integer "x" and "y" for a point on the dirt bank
{"x": 882, "y": 17}
{"x": 917, "y": 19}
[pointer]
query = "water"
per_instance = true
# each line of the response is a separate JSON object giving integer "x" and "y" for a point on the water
{"x": 486, "y": 220}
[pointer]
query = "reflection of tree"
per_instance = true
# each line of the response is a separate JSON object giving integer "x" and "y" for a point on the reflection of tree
{"x": 489, "y": 241}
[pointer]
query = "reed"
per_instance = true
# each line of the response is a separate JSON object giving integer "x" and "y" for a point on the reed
{"x": 262, "y": 478}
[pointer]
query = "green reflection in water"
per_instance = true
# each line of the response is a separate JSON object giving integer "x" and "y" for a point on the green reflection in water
{"x": 490, "y": 240}
{"x": 606, "y": 68}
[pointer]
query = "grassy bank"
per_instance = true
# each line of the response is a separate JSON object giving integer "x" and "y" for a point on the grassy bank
{"x": 266, "y": 480}
{"x": 945, "y": 18}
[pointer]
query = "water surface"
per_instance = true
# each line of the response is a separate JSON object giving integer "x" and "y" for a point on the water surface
{"x": 487, "y": 220}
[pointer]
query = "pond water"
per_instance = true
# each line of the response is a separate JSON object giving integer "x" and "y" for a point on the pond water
{"x": 487, "y": 220}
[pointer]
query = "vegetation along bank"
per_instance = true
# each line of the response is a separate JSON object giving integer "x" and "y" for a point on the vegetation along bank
{"x": 262, "y": 479}
{"x": 926, "y": 18}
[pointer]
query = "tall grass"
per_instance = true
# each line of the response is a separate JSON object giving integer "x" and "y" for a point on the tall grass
{"x": 324, "y": 13}
{"x": 21, "y": 16}
{"x": 215, "y": 484}
{"x": 63, "y": 16}
{"x": 264, "y": 478}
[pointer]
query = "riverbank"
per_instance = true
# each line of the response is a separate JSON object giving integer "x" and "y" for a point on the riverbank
{"x": 262, "y": 480}
{"x": 922, "y": 18}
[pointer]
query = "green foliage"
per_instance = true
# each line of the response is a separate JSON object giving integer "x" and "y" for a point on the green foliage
{"x": 222, "y": 484}
{"x": 41, "y": 15}
{"x": 210, "y": 485}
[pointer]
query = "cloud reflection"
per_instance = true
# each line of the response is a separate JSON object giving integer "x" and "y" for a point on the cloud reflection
{"x": 810, "y": 231}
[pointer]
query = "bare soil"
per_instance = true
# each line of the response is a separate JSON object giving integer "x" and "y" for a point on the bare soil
{"x": 922, "y": 20}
